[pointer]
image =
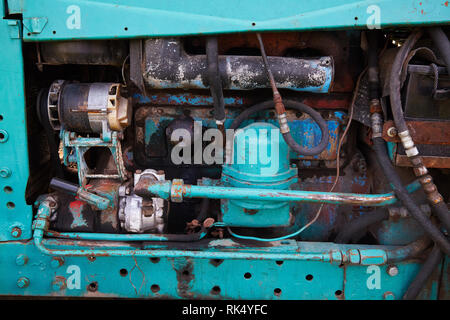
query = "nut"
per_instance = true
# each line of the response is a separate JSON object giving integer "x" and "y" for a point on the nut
{"x": 392, "y": 132}
{"x": 392, "y": 271}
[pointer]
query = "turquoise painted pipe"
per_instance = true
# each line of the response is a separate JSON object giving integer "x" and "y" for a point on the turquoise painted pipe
{"x": 176, "y": 191}
{"x": 353, "y": 256}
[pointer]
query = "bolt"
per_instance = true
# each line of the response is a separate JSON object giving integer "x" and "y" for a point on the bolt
{"x": 23, "y": 282}
{"x": 5, "y": 172}
{"x": 388, "y": 295}
{"x": 59, "y": 283}
{"x": 21, "y": 260}
{"x": 16, "y": 232}
{"x": 57, "y": 262}
{"x": 392, "y": 271}
{"x": 392, "y": 132}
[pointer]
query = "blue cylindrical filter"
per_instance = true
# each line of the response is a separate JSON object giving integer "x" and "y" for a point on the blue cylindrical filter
{"x": 260, "y": 159}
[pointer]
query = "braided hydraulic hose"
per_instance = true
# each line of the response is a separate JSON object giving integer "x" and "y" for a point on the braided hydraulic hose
{"x": 433, "y": 196}
{"x": 379, "y": 147}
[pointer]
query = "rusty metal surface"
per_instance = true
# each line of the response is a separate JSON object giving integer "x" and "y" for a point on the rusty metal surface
{"x": 422, "y": 132}
{"x": 336, "y": 44}
{"x": 428, "y": 161}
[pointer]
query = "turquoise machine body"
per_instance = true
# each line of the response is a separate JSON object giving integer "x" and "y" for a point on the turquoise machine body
{"x": 33, "y": 263}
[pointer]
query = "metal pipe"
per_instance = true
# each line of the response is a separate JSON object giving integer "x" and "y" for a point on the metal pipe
{"x": 41, "y": 223}
{"x": 178, "y": 190}
{"x": 431, "y": 263}
{"x": 361, "y": 256}
{"x": 408, "y": 251}
{"x": 168, "y": 66}
{"x": 100, "y": 202}
{"x": 128, "y": 237}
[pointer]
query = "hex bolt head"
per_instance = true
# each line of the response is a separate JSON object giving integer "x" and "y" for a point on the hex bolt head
{"x": 16, "y": 232}
{"x": 21, "y": 260}
{"x": 388, "y": 295}
{"x": 57, "y": 262}
{"x": 23, "y": 282}
{"x": 5, "y": 172}
{"x": 59, "y": 283}
{"x": 392, "y": 271}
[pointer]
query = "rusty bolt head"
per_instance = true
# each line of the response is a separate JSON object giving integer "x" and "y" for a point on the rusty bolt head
{"x": 23, "y": 282}
{"x": 16, "y": 232}
{"x": 57, "y": 262}
{"x": 388, "y": 295}
{"x": 392, "y": 271}
{"x": 392, "y": 132}
{"x": 21, "y": 260}
{"x": 59, "y": 283}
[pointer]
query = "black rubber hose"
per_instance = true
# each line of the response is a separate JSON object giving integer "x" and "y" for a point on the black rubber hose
{"x": 361, "y": 223}
{"x": 432, "y": 262}
{"x": 64, "y": 186}
{"x": 290, "y": 104}
{"x": 395, "y": 80}
{"x": 441, "y": 42}
{"x": 379, "y": 147}
{"x": 215, "y": 82}
{"x": 440, "y": 208}
{"x": 204, "y": 207}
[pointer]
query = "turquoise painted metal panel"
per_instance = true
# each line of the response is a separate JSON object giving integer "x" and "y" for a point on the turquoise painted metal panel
{"x": 26, "y": 271}
{"x": 70, "y": 19}
{"x": 16, "y": 214}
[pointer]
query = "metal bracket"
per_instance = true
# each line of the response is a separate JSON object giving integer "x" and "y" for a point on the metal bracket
{"x": 35, "y": 25}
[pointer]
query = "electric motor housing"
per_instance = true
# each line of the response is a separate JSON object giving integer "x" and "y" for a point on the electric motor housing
{"x": 87, "y": 107}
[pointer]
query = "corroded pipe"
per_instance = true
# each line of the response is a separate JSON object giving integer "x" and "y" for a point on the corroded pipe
{"x": 177, "y": 190}
{"x": 168, "y": 66}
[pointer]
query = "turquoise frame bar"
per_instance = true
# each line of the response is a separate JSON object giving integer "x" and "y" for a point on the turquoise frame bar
{"x": 46, "y": 20}
{"x": 16, "y": 215}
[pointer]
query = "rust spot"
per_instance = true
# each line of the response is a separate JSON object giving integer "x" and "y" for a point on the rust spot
{"x": 185, "y": 276}
{"x": 250, "y": 211}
